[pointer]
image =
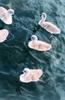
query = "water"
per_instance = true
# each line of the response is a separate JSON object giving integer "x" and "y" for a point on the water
{"x": 15, "y": 54}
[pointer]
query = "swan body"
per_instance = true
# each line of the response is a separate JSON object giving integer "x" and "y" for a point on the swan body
{"x": 3, "y": 35}
{"x": 38, "y": 44}
{"x": 31, "y": 75}
{"x": 6, "y": 15}
{"x": 48, "y": 26}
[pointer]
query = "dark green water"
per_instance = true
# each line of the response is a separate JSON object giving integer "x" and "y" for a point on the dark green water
{"x": 15, "y": 54}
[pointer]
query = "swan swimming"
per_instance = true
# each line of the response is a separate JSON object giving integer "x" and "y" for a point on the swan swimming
{"x": 38, "y": 44}
{"x": 6, "y": 15}
{"x": 48, "y": 26}
{"x": 3, "y": 35}
{"x": 31, "y": 75}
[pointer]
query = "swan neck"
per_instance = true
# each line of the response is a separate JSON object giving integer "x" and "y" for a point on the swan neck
{"x": 44, "y": 16}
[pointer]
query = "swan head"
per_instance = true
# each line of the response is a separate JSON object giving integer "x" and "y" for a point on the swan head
{"x": 44, "y": 16}
{"x": 11, "y": 11}
{"x": 26, "y": 70}
{"x": 34, "y": 38}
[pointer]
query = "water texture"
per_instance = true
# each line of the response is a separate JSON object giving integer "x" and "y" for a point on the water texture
{"x": 15, "y": 54}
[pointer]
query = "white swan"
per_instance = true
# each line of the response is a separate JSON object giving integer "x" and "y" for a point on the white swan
{"x": 50, "y": 27}
{"x": 30, "y": 75}
{"x": 38, "y": 44}
{"x": 6, "y": 15}
{"x": 3, "y": 35}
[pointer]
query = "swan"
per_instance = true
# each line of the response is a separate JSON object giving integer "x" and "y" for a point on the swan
{"x": 3, "y": 35}
{"x": 31, "y": 75}
{"x": 48, "y": 26}
{"x": 38, "y": 44}
{"x": 6, "y": 15}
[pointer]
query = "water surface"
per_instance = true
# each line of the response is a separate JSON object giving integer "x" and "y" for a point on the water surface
{"x": 15, "y": 54}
